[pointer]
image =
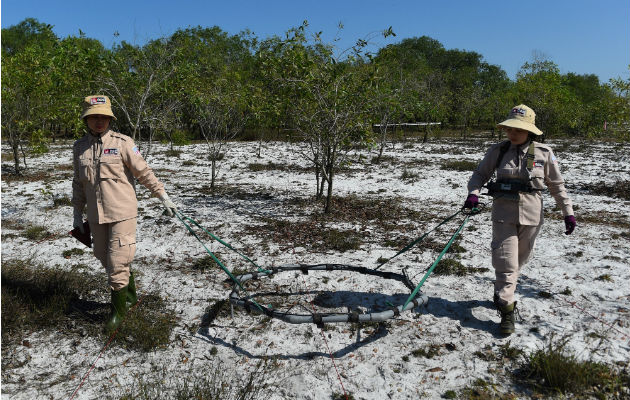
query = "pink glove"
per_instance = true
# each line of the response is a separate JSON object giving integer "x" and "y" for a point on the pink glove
{"x": 570, "y": 224}
{"x": 472, "y": 201}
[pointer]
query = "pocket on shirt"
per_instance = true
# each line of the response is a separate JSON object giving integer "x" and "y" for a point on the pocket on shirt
{"x": 85, "y": 169}
{"x": 111, "y": 168}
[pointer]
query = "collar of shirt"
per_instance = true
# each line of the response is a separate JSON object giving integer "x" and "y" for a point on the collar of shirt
{"x": 96, "y": 138}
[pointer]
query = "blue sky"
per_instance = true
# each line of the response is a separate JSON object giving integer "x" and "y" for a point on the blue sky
{"x": 580, "y": 36}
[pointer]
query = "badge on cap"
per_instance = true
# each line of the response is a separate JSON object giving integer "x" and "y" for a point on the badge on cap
{"x": 98, "y": 100}
{"x": 519, "y": 111}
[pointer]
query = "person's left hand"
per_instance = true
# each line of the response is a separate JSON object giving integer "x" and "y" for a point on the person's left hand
{"x": 170, "y": 207}
{"x": 570, "y": 224}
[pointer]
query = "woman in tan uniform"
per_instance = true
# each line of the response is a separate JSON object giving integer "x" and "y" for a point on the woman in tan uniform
{"x": 106, "y": 164}
{"x": 523, "y": 168}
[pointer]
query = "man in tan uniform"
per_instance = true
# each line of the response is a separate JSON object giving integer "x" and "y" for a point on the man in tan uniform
{"x": 523, "y": 168}
{"x": 106, "y": 165}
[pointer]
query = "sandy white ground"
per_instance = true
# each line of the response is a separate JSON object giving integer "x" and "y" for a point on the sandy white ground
{"x": 371, "y": 366}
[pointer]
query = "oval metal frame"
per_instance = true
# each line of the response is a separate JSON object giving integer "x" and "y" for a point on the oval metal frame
{"x": 323, "y": 318}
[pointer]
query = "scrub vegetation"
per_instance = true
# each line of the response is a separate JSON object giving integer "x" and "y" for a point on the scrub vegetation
{"x": 555, "y": 369}
{"x": 460, "y": 165}
{"x": 37, "y": 298}
{"x": 619, "y": 189}
{"x": 216, "y": 383}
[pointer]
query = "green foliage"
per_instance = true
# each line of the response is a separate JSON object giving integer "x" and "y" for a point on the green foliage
{"x": 460, "y": 165}
{"x": 205, "y": 263}
{"x": 36, "y": 298}
{"x": 148, "y": 326}
{"x": 36, "y": 232}
{"x": 72, "y": 252}
{"x": 217, "y": 382}
{"x": 556, "y": 369}
{"x": 203, "y": 83}
{"x": 429, "y": 351}
{"x": 449, "y": 266}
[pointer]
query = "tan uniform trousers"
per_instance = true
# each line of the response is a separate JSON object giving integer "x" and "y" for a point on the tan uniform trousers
{"x": 512, "y": 246}
{"x": 115, "y": 246}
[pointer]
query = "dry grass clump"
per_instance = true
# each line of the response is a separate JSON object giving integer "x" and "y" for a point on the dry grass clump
{"x": 619, "y": 189}
{"x": 449, "y": 266}
{"x": 36, "y": 232}
{"x": 380, "y": 211}
{"x": 310, "y": 234}
{"x": 556, "y": 369}
{"x": 215, "y": 382}
{"x": 147, "y": 326}
{"x": 460, "y": 165}
{"x": 36, "y": 298}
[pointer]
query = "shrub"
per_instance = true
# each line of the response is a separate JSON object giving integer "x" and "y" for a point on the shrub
{"x": 147, "y": 326}
{"x": 409, "y": 175}
{"x": 449, "y": 266}
{"x": 460, "y": 165}
{"x": 556, "y": 369}
{"x": 35, "y": 298}
{"x": 217, "y": 382}
{"x": 71, "y": 252}
{"x": 36, "y": 232}
{"x": 430, "y": 351}
{"x": 205, "y": 263}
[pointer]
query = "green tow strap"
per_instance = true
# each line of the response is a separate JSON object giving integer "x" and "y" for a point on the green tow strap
{"x": 177, "y": 213}
{"x": 418, "y": 240}
{"x": 260, "y": 269}
{"x": 435, "y": 263}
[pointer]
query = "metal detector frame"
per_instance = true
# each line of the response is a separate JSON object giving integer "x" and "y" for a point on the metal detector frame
{"x": 324, "y": 318}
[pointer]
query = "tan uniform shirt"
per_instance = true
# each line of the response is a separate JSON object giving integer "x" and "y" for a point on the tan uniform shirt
{"x": 104, "y": 171}
{"x": 527, "y": 209}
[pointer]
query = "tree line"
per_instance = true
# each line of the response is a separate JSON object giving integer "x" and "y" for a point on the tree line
{"x": 203, "y": 83}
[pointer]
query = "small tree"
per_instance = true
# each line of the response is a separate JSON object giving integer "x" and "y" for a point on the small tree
{"x": 330, "y": 104}
{"x": 25, "y": 82}
{"x": 222, "y": 114}
{"x": 138, "y": 85}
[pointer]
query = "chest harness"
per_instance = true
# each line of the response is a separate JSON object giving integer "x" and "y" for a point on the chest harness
{"x": 510, "y": 188}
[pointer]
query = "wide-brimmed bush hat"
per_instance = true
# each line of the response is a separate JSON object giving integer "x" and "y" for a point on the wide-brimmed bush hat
{"x": 97, "y": 104}
{"x": 522, "y": 117}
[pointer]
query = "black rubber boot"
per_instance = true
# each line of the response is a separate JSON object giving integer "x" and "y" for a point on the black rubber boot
{"x": 132, "y": 297}
{"x": 119, "y": 309}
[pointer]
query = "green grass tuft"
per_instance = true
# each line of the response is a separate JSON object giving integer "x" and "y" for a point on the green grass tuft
{"x": 36, "y": 232}
{"x": 556, "y": 369}
{"x": 449, "y": 266}
{"x": 460, "y": 165}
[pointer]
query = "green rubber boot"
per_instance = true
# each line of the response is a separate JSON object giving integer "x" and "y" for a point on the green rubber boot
{"x": 132, "y": 297}
{"x": 119, "y": 309}
{"x": 507, "y": 318}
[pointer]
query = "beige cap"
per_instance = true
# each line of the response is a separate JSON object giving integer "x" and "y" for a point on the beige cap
{"x": 522, "y": 117}
{"x": 97, "y": 104}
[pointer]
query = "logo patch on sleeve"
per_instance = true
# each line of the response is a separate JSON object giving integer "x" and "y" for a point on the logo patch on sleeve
{"x": 135, "y": 150}
{"x": 98, "y": 100}
{"x": 554, "y": 160}
{"x": 110, "y": 152}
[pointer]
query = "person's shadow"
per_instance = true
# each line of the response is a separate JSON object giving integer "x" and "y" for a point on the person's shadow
{"x": 351, "y": 300}
{"x": 462, "y": 311}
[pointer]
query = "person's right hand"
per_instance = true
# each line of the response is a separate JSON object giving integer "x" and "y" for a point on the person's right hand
{"x": 472, "y": 201}
{"x": 78, "y": 220}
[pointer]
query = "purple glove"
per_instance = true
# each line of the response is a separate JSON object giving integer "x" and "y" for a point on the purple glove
{"x": 570, "y": 224}
{"x": 472, "y": 201}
